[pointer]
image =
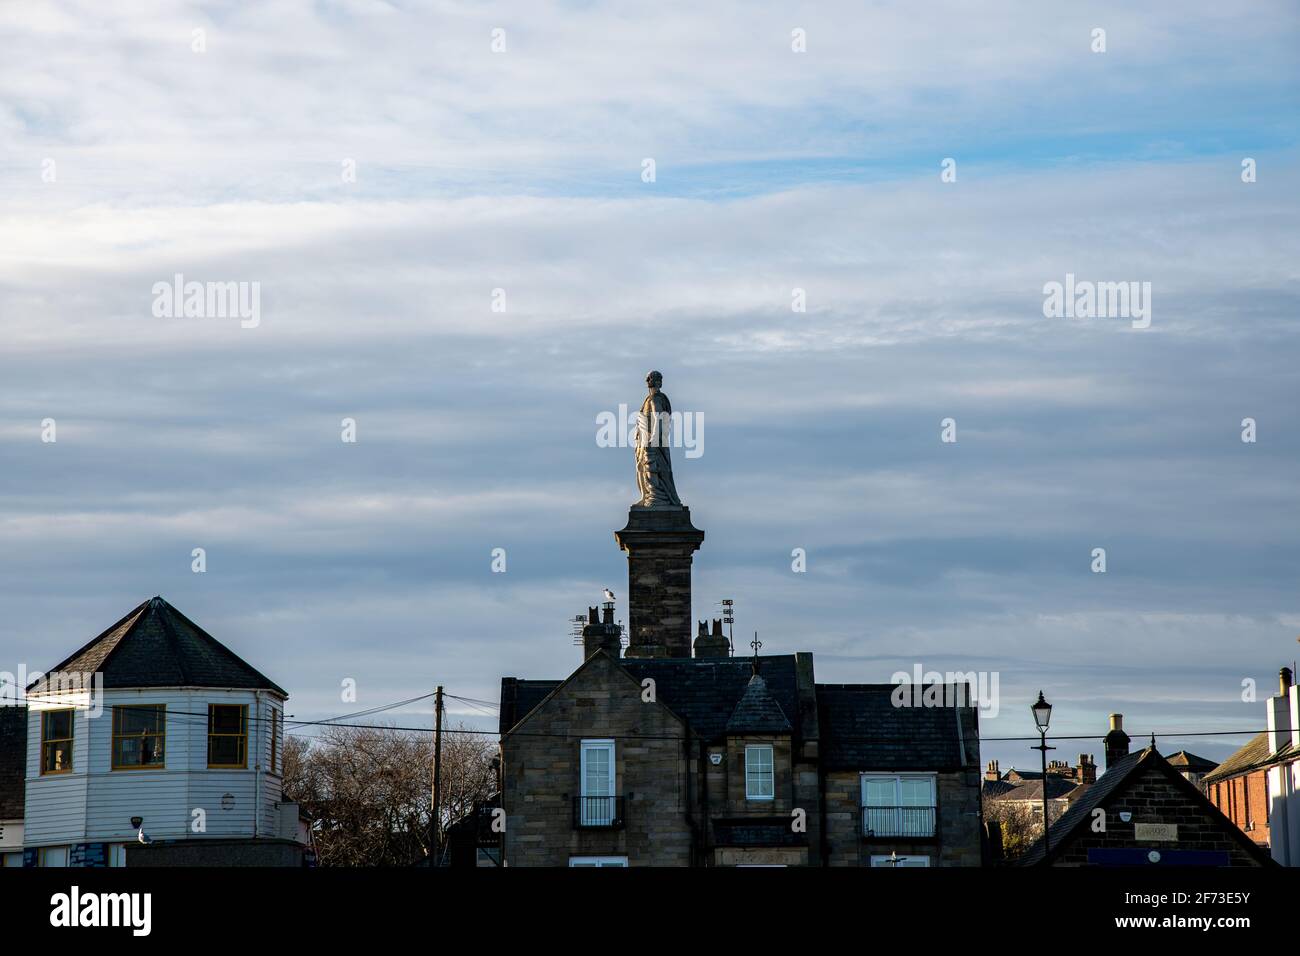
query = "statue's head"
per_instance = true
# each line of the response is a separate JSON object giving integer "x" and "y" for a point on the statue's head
{"x": 654, "y": 380}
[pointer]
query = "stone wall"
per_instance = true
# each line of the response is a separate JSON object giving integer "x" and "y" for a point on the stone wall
{"x": 541, "y": 765}
{"x": 1155, "y": 798}
{"x": 957, "y": 823}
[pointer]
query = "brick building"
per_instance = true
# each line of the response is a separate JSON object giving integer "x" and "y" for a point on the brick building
{"x": 674, "y": 754}
{"x": 1258, "y": 787}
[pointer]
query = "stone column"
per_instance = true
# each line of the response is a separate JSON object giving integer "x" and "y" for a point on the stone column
{"x": 659, "y": 543}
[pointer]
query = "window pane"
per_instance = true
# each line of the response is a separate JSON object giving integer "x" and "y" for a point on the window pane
{"x": 58, "y": 724}
{"x": 917, "y": 792}
{"x": 225, "y": 750}
{"x": 598, "y": 770}
{"x": 58, "y": 756}
{"x": 226, "y": 719}
{"x": 139, "y": 719}
{"x": 879, "y": 791}
{"x": 758, "y": 772}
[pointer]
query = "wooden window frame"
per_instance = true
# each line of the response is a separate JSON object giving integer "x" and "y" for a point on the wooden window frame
{"x": 162, "y": 734}
{"x": 243, "y": 735}
{"x": 70, "y": 739}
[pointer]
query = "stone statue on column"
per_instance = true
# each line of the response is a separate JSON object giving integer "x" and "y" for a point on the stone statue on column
{"x": 654, "y": 465}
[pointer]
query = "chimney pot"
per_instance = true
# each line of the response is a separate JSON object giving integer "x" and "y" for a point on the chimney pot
{"x": 1284, "y": 680}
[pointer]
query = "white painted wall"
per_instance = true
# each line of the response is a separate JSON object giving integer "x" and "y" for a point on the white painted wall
{"x": 95, "y": 803}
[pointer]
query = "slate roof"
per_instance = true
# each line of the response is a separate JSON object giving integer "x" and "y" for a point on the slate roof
{"x": 702, "y": 691}
{"x": 13, "y": 761}
{"x": 757, "y": 712}
{"x": 996, "y": 788}
{"x": 858, "y": 725}
{"x": 156, "y": 645}
{"x": 1114, "y": 781}
{"x": 1253, "y": 755}
{"x": 1058, "y": 788}
{"x": 861, "y": 727}
{"x": 1081, "y": 810}
{"x": 1190, "y": 762}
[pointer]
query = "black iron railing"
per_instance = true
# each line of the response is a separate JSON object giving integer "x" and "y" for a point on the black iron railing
{"x": 897, "y": 822}
{"x": 603, "y": 813}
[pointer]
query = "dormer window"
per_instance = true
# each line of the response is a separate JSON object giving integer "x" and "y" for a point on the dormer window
{"x": 760, "y": 775}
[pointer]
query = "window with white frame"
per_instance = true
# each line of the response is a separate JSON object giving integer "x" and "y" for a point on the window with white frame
{"x": 760, "y": 776}
{"x": 894, "y": 861}
{"x": 597, "y": 799}
{"x": 597, "y": 861}
{"x": 898, "y": 804}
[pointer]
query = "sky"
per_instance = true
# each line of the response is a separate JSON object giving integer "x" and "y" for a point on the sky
{"x": 456, "y": 244}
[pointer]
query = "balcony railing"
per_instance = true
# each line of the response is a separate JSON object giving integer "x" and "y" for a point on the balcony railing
{"x": 914, "y": 822}
{"x": 598, "y": 813}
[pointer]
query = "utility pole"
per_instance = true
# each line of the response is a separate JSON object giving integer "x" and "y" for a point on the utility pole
{"x": 437, "y": 775}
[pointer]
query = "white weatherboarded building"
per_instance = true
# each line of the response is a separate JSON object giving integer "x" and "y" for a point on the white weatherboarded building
{"x": 156, "y": 733}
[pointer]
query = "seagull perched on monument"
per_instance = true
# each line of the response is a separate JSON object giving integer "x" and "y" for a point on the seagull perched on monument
{"x": 609, "y": 595}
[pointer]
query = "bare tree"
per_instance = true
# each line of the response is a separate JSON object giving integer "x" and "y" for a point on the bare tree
{"x": 1021, "y": 823}
{"x": 368, "y": 790}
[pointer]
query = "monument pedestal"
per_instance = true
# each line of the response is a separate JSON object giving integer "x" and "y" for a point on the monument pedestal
{"x": 659, "y": 543}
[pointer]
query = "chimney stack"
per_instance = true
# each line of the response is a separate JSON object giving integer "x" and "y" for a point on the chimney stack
{"x": 713, "y": 644}
{"x": 1116, "y": 742}
{"x": 1086, "y": 772}
{"x": 991, "y": 772}
{"x": 601, "y": 633}
{"x": 1279, "y": 713}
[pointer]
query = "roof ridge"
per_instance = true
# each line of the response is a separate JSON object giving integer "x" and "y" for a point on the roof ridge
{"x": 205, "y": 636}
{"x": 157, "y": 606}
{"x": 125, "y": 619}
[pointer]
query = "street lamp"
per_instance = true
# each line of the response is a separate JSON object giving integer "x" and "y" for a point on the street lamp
{"x": 1042, "y": 712}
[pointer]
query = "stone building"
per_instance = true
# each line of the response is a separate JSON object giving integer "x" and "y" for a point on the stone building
{"x": 679, "y": 754}
{"x": 1143, "y": 812}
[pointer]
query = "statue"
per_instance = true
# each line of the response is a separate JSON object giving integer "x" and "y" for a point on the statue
{"x": 654, "y": 467}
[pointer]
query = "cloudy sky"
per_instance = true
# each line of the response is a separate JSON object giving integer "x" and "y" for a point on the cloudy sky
{"x": 133, "y": 148}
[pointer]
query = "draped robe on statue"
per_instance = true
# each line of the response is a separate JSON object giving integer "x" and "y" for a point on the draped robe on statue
{"x": 654, "y": 467}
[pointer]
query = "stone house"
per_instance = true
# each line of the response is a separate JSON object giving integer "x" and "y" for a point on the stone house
{"x": 1143, "y": 812}
{"x": 679, "y": 754}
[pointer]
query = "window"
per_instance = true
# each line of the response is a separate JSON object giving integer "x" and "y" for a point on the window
{"x": 598, "y": 803}
{"x": 275, "y": 740}
{"x": 117, "y": 854}
{"x": 54, "y": 856}
{"x": 138, "y": 734}
{"x": 898, "y": 805}
{"x": 597, "y": 861}
{"x": 56, "y": 741}
{"x": 760, "y": 779}
{"x": 228, "y": 735}
{"x": 890, "y": 863}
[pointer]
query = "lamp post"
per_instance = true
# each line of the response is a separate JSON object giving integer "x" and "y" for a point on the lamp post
{"x": 1042, "y": 712}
